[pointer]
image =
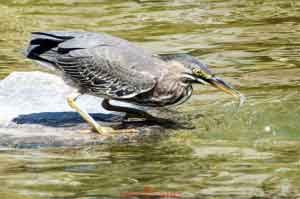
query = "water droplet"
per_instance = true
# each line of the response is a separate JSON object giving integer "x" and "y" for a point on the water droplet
{"x": 268, "y": 129}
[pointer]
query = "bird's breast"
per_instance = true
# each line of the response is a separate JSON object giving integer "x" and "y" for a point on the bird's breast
{"x": 171, "y": 91}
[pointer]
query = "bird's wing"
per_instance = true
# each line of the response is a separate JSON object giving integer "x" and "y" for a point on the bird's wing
{"x": 99, "y": 63}
{"x": 104, "y": 70}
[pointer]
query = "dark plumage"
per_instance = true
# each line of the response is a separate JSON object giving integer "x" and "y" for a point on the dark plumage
{"x": 113, "y": 68}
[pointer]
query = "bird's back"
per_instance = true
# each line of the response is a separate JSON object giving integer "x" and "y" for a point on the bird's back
{"x": 98, "y": 64}
{"x": 44, "y": 45}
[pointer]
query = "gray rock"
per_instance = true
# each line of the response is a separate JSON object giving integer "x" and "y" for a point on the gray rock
{"x": 34, "y": 113}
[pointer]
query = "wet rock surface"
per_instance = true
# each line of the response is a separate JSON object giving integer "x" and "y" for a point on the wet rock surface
{"x": 34, "y": 113}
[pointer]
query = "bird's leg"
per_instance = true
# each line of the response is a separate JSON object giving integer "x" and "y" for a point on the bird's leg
{"x": 127, "y": 110}
{"x": 72, "y": 103}
{"x": 100, "y": 129}
{"x": 138, "y": 113}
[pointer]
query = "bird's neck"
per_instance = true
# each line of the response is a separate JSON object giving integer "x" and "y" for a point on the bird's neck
{"x": 171, "y": 89}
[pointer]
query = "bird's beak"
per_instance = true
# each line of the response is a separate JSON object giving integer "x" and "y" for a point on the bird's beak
{"x": 225, "y": 87}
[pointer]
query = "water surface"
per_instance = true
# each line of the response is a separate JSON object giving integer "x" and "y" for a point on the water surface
{"x": 253, "y": 151}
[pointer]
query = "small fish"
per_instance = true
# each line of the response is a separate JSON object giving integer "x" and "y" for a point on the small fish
{"x": 242, "y": 100}
{"x": 227, "y": 88}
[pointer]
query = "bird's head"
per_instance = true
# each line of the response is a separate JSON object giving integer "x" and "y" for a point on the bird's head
{"x": 197, "y": 72}
{"x": 193, "y": 71}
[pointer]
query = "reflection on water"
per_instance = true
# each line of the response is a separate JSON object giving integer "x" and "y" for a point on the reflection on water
{"x": 253, "y": 151}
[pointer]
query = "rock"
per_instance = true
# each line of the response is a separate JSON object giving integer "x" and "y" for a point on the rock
{"x": 34, "y": 113}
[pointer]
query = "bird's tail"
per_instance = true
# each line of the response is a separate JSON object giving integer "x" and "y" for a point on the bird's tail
{"x": 43, "y": 47}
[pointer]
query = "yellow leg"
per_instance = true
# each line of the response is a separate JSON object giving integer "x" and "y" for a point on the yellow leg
{"x": 102, "y": 130}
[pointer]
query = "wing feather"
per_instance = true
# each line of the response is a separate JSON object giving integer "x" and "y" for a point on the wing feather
{"x": 103, "y": 70}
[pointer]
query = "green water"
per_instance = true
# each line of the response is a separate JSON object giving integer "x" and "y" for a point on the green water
{"x": 252, "y": 152}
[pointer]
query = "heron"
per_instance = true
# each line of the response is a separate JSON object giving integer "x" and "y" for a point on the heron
{"x": 112, "y": 68}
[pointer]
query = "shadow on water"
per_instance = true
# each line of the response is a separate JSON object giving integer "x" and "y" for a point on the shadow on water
{"x": 59, "y": 119}
{"x": 73, "y": 119}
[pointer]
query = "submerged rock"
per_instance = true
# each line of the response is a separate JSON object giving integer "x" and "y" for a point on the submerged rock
{"x": 34, "y": 112}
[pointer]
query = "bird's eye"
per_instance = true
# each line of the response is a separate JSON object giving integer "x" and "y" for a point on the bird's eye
{"x": 197, "y": 72}
{"x": 200, "y": 73}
